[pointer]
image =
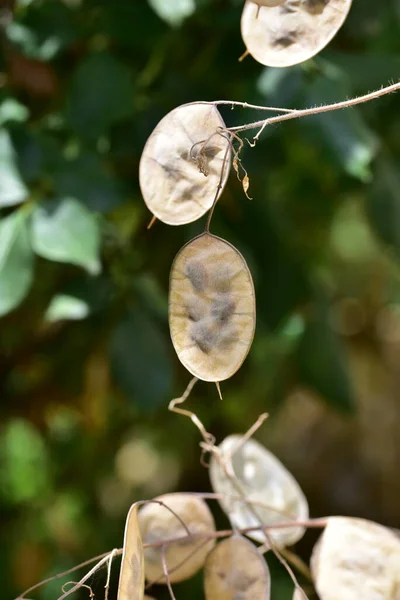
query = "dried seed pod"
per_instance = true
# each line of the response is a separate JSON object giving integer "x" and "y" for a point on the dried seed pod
{"x": 157, "y": 524}
{"x": 354, "y": 559}
{"x": 178, "y": 176}
{"x": 262, "y": 479}
{"x": 235, "y": 570}
{"x": 292, "y": 33}
{"x": 268, "y": 2}
{"x": 131, "y": 579}
{"x": 211, "y": 308}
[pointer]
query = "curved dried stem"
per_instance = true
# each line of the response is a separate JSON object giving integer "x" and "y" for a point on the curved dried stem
{"x": 207, "y": 437}
{"x": 91, "y": 593}
{"x": 294, "y": 114}
{"x": 219, "y": 186}
{"x": 88, "y": 575}
{"x": 166, "y": 574}
{"x": 65, "y": 573}
{"x": 234, "y": 103}
{"x": 107, "y": 586}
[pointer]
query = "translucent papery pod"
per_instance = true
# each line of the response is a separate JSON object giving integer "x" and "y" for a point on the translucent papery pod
{"x": 211, "y": 308}
{"x": 131, "y": 579}
{"x": 290, "y": 32}
{"x": 270, "y": 493}
{"x": 178, "y": 173}
{"x": 355, "y": 559}
{"x": 189, "y": 518}
{"x": 235, "y": 570}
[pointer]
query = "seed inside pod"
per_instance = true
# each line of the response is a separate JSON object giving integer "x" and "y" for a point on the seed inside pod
{"x": 157, "y": 524}
{"x": 235, "y": 570}
{"x": 354, "y": 559}
{"x": 211, "y": 308}
{"x": 131, "y": 579}
{"x": 292, "y": 32}
{"x": 262, "y": 478}
{"x": 178, "y": 175}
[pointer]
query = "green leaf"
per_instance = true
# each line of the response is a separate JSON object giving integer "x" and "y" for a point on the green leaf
{"x": 63, "y": 307}
{"x": 65, "y": 231}
{"x": 87, "y": 179}
{"x": 383, "y": 203}
{"x": 344, "y": 131}
{"x": 141, "y": 360}
{"x": 12, "y": 188}
{"x": 322, "y": 363}
{"x": 100, "y": 94}
{"x": 24, "y": 474}
{"x": 173, "y": 11}
{"x": 16, "y": 261}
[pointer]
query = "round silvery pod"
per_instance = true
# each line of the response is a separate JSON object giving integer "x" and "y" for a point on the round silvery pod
{"x": 289, "y": 34}
{"x": 355, "y": 559}
{"x": 234, "y": 569}
{"x": 158, "y": 524}
{"x": 211, "y": 308}
{"x": 179, "y": 176}
{"x": 262, "y": 479}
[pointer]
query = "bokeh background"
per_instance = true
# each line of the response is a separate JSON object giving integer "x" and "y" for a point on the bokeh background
{"x": 86, "y": 364}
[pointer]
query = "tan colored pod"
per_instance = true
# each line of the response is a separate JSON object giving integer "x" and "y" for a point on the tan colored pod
{"x": 268, "y": 3}
{"x": 172, "y": 184}
{"x": 211, "y": 308}
{"x": 262, "y": 479}
{"x": 356, "y": 559}
{"x": 157, "y": 524}
{"x": 131, "y": 579}
{"x": 235, "y": 570}
{"x": 289, "y": 34}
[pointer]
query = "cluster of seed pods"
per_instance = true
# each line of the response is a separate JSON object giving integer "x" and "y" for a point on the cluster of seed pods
{"x": 211, "y": 297}
{"x": 282, "y": 33}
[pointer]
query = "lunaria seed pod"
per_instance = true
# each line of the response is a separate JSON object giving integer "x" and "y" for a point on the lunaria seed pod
{"x": 157, "y": 524}
{"x": 355, "y": 559}
{"x": 131, "y": 578}
{"x": 262, "y": 480}
{"x": 211, "y": 308}
{"x": 292, "y": 33}
{"x": 178, "y": 176}
{"x": 234, "y": 569}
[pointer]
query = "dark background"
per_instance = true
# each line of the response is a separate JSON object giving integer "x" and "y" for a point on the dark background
{"x": 86, "y": 364}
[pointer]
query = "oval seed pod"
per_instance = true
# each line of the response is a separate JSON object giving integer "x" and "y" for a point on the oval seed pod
{"x": 131, "y": 578}
{"x": 157, "y": 524}
{"x": 354, "y": 559}
{"x": 263, "y": 479}
{"x": 176, "y": 188}
{"x": 235, "y": 570}
{"x": 292, "y": 33}
{"x": 211, "y": 308}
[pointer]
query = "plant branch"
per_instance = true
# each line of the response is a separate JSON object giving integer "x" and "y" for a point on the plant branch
{"x": 234, "y": 103}
{"x": 294, "y": 114}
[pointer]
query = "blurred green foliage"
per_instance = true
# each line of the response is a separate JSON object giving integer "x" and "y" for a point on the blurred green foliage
{"x": 86, "y": 363}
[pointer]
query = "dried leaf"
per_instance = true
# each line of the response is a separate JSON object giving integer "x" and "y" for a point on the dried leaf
{"x": 178, "y": 175}
{"x": 131, "y": 579}
{"x": 234, "y": 569}
{"x": 286, "y": 35}
{"x": 211, "y": 308}
{"x": 262, "y": 479}
{"x": 354, "y": 559}
{"x": 157, "y": 524}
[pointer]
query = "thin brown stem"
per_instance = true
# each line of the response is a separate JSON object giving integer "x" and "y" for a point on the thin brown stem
{"x": 166, "y": 574}
{"x": 234, "y": 103}
{"x": 315, "y": 110}
{"x": 219, "y": 187}
{"x": 65, "y": 573}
